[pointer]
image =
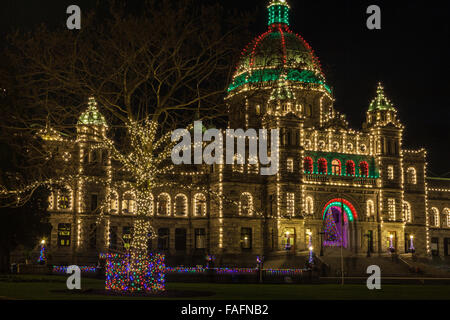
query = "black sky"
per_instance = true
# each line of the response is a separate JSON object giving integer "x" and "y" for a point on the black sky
{"x": 410, "y": 55}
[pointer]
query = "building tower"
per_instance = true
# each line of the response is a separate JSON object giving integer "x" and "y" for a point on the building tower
{"x": 383, "y": 123}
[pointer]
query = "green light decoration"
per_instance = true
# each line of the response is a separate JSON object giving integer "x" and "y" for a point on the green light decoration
{"x": 381, "y": 102}
{"x": 92, "y": 116}
{"x": 278, "y": 12}
{"x": 267, "y": 75}
{"x": 283, "y": 91}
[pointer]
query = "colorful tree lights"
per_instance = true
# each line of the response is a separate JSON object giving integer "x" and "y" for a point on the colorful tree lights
{"x": 330, "y": 229}
{"x": 126, "y": 273}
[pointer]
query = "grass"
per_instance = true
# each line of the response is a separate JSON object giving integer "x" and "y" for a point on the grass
{"x": 54, "y": 288}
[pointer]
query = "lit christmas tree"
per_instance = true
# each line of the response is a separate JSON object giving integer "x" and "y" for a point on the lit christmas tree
{"x": 332, "y": 236}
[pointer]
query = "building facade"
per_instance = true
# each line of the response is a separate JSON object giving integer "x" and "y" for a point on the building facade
{"x": 336, "y": 186}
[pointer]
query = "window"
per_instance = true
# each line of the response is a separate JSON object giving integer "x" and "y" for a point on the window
{"x": 164, "y": 204}
{"x": 308, "y": 165}
{"x": 64, "y": 235}
{"x": 113, "y": 237}
{"x": 152, "y": 204}
{"x": 309, "y": 206}
{"x": 128, "y": 203}
{"x": 180, "y": 239}
{"x": 163, "y": 239}
{"x": 322, "y": 166}
{"x": 290, "y": 165}
{"x": 199, "y": 204}
{"x": 391, "y": 209}
{"x": 290, "y": 204}
{"x": 390, "y": 172}
{"x": 65, "y": 199}
{"x": 51, "y": 201}
{"x": 126, "y": 237}
{"x": 370, "y": 208}
{"x": 407, "y": 212}
{"x": 435, "y": 247}
{"x": 181, "y": 205}
{"x": 336, "y": 167}
{"x": 364, "y": 169}
{"x": 434, "y": 217}
{"x": 94, "y": 202}
{"x": 200, "y": 238}
{"x": 447, "y": 217}
{"x": 246, "y": 204}
{"x": 411, "y": 176}
{"x": 93, "y": 236}
{"x": 447, "y": 247}
{"x": 114, "y": 202}
{"x": 246, "y": 238}
{"x": 350, "y": 168}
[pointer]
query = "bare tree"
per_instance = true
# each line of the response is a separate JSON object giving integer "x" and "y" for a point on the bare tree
{"x": 150, "y": 73}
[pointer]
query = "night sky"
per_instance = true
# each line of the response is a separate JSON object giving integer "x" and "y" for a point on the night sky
{"x": 410, "y": 55}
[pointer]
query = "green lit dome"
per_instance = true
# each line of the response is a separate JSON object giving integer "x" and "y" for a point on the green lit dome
{"x": 278, "y": 52}
{"x": 92, "y": 116}
{"x": 381, "y": 102}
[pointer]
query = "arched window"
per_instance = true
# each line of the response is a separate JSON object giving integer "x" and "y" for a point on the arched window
{"x": 336, "y": 167}
{"x": 411, "y": 176}
{"x": 370, "y": 208}
{"x": 238, "y": 164}
{"x": 114, "y": 202}
{"x": 181, "y": 205}
{"x": 199, "y": 204}
{"x": 309, "y": 206}
{"x": 308, "y": 165}
{"x": 51, "y": 201}
{"x": 407, "y": 214}
{"x": 322, "y": 166}
{"x": 290, "y": 165}
{"x": 246, "y": 204}
{"x": 446, "y": 213}
{"x": 65, "y": 198}
{"x": 164, "y": 204}
{"x": 151, "y": 203}
{"x": 434, "y": 217}
{"x": 364, "y": 169}
{"x": 129, "y": 203}
{"x": 350, "y": 168}
{"x": 290, "y": 204}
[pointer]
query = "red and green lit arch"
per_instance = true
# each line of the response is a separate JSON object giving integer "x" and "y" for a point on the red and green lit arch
{"x": 348, "y": 208}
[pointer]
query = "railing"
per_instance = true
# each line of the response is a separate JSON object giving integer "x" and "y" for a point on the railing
{"x": 340, "y": 179}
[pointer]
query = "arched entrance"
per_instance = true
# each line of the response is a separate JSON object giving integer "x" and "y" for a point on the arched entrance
{"x": 338, "y": 218}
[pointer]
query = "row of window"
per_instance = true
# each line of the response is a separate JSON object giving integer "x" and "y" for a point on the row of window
{"x": 435, "y": 218}
{"x": 336, "y": 167}
{"x": 128, "y": 203}
{"x": 163, "y": 240}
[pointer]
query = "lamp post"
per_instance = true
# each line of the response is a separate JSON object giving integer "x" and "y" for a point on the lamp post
{"x": 311, "y": 257}
{"x": 369, "y": 238}
{"x": 321, "y": 242}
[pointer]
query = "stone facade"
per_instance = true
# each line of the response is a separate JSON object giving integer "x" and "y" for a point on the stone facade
{"x": 323, "y": 163}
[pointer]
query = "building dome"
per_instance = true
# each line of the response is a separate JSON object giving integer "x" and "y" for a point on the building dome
{"x": 278, "y": 52}
{"x": 92, "y": 116}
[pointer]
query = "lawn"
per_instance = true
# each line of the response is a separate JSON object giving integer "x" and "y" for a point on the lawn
{"x": 54, "y": 288}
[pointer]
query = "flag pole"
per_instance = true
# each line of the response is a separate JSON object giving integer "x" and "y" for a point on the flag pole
{"x": 342, "y": 240}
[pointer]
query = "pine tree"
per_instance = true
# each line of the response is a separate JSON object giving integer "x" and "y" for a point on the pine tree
{"x": 330, "y": 228}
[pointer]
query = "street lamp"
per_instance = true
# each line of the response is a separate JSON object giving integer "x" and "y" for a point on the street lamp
{"x": 369, "y": 237}
{"x": 321, "y": 242}
{"x": 311, "y": 258}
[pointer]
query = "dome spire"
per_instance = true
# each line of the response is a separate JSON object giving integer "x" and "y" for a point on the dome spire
{"x": 92, "y": 116}
{"x": 380, "y": 102}
{"x": 278, "y": 12}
